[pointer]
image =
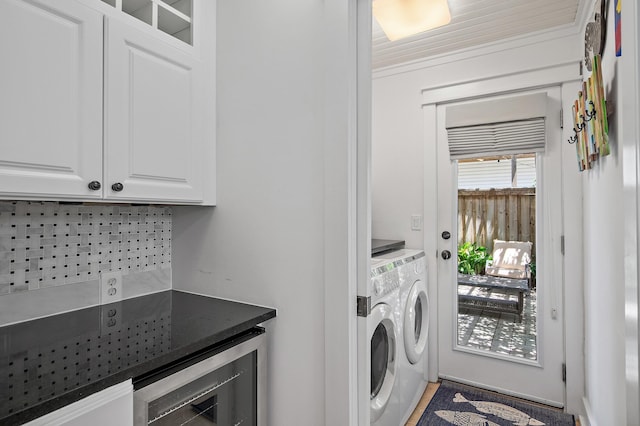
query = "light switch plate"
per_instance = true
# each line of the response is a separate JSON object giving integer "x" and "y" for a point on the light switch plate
{"x": 110, "y": 287}
{"x": 416, "y": 222}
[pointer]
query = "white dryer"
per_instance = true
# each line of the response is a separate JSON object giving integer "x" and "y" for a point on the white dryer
{"x": 414, "y": 302}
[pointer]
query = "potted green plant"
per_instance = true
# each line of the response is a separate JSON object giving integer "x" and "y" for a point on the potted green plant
{"x": 472, "y": 258}
{"x": 532, "y": 274}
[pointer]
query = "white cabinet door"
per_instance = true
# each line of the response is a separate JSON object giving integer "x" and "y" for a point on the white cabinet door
{"x": 109, "y": 407}
{"x": 154, "y": 108}
{"x": 50, "y": 99}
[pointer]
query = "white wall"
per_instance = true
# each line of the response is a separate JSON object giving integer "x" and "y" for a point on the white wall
{"x": 281, "y": 82}
{"x": 629, "y": 135}
{"x": 604, "y": 251}
{"x": 604, "y": 288}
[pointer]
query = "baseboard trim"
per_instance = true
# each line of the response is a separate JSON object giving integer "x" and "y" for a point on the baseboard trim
{"x": 588, "y": 420}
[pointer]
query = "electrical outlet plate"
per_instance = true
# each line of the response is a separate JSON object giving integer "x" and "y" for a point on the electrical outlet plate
{"x": 110, "y": 287}
{"x": 111, "y": 318}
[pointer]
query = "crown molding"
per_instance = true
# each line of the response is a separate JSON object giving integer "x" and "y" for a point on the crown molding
{"x": 585, "y": 8}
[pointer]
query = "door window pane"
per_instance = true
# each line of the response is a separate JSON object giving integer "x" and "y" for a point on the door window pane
{"x": 496, "y": 306}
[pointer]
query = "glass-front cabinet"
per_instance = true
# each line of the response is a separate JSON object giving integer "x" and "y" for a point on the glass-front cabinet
{"x": 169, "y": 16}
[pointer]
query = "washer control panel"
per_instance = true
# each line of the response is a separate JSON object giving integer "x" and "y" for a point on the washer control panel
{"x": 419, "y": 266}
{"x": 385, "y": 283}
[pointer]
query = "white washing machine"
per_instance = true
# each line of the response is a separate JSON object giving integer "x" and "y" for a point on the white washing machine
{"x": 413, "y": 320}
{"x": 385, "y": 339}
{"x": 414, "y": 302}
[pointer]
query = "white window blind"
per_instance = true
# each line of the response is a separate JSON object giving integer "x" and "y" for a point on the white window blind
{"x": 514, "y": 137}
{"x": 514, "y": 125}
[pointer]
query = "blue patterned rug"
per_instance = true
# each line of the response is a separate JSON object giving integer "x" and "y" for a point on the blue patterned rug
{"x": 460, "y": 405}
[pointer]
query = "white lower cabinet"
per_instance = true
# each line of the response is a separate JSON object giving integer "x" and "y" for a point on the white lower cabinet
{"x": 109, "y": 407}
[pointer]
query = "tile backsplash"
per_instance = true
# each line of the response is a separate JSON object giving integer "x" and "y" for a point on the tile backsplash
{"x": 46, "y": 244}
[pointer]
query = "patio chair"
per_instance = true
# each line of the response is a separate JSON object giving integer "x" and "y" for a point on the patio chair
{"x": 506, "y": 282}
{"x": 511, "y": 259}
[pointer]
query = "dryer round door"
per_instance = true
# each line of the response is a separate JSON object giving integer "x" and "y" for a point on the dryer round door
{"x": 382, "y": 338}
{"x": 416, "y": 321}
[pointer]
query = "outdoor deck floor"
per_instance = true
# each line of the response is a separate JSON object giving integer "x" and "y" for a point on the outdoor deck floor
{"x": 500, "y": 333}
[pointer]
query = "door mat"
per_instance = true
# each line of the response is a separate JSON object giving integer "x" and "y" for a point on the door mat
{"x": 460, "y": 405}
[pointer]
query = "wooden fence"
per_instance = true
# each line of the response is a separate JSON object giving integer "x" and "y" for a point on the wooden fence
{"x": 502, "y": 214}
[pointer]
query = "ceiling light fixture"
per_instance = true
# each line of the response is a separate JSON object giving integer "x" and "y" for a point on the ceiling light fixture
{"x": 404, "y": 18}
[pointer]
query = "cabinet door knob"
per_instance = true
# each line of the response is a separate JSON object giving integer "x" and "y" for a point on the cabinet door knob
{"x": 94, "y": 185}
{"x": 117, "y": 187}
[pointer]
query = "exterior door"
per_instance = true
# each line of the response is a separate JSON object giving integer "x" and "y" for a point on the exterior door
{"x": 154, "y": 117}
{"x": 539, "y": 379}
{"x": 51, "y": 102}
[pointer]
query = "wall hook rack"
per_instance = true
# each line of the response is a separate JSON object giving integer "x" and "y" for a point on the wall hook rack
{"x": 590, "y": 115}
{"x": 591, "y": 124}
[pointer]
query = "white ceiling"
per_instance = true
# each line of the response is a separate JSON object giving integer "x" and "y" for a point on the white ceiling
{"x": 476, "y": 22}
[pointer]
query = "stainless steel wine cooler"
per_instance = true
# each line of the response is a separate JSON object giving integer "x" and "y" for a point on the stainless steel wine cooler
{"x": 227, "y": 388}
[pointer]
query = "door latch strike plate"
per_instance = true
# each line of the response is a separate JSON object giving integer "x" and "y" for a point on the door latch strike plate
{"x": 363, "y": 306}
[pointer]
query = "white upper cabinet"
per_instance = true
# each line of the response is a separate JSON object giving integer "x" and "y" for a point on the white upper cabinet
{"x": 50, "y": 99}
{"x": 108, "y": 100}
{"x": 153, "y": 129}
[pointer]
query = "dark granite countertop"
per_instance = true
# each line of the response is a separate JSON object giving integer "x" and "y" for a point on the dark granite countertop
{"x": 51, "y": 362}
{"x": 379, "y": 246}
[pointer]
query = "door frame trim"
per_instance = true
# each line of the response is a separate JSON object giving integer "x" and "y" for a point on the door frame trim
{"x": 563, "y": 75}
{"x": 630, "y": 80}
